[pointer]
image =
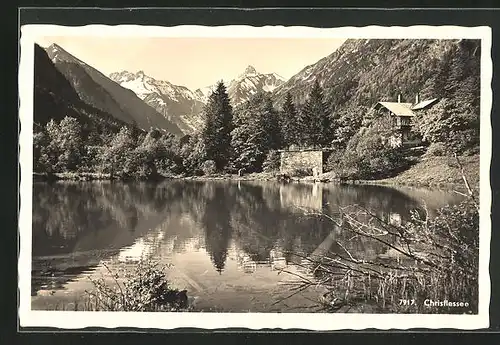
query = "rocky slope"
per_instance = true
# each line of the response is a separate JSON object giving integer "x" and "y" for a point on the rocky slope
{"x": 176, "y": 103}
{"x": 251, "y": 82}
{"x": 183, "y": 106}
{"x": 55, "y": 98}
{"x": 98, "y": 91}
{"x": 245, "y": 85}
{"x": 362, "y": 72}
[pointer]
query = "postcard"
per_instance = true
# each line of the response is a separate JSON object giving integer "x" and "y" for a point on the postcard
{"x": 255, "y": 177}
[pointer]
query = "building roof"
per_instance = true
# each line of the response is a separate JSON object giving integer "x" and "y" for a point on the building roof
{"x": 322, "y": 149}
{"x": 406, "y": 109}
{"x": 399, "y": 109}
{"x": 424, "y": 104}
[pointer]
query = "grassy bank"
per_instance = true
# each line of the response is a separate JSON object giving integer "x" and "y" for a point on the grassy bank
{"x": 71, "y": 176}
{"x": 90, "y": 176}
{"x": 438, "y": 171}
{"x": 262, "y": 176}
{"x": 430, "y": 171}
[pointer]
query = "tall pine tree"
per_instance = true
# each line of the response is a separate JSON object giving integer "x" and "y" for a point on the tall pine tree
{"x": 317, "y": 119}
{"x": 290, "y": 123}
{"x": 272, "y": 124}
{"x": 216, "y": 134}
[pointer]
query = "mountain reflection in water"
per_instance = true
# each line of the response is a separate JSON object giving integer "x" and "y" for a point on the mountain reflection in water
{"x": 227, "y": 241}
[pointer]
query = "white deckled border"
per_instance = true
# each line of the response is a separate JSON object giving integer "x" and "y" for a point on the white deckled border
{"x": 77, "y": 320}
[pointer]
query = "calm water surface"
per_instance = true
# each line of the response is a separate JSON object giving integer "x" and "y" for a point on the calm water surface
{"x": 226, "y": 241}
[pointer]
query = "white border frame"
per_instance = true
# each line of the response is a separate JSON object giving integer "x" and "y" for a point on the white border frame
{"x": 76, "y": 320}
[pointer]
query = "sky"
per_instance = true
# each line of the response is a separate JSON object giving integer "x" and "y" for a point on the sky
{"x": 196, "y": 62}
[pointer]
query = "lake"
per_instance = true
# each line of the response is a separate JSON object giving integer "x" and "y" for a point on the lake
{"x": 226, "y": 240}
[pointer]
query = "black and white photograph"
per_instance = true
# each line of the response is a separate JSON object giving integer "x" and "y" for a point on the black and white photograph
{"x": 240, "y": 176}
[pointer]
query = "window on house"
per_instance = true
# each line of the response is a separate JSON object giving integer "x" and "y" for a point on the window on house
{"x": 405, "y": 121}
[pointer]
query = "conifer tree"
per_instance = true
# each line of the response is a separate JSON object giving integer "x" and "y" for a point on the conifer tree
{"x": 442, "y": 75}
{"x": 454, "y": 119}
{"x": 136, "y": 132}
{"x": 248, "y": 137}
{"x": 317, "y": 119}
{"x": 216, "y": 134}
{"x": 290, "y": 125}
{"x": 271, "y": 125}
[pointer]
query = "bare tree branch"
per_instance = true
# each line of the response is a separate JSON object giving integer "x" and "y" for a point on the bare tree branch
{"x": 466, "y": 181}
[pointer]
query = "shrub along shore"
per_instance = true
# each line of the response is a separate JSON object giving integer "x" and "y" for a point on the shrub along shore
{"x": 433, "y": 171}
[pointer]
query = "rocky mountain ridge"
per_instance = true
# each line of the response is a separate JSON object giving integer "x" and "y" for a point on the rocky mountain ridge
{"x": 183, "y": 106}
{"x": 176, "y": 103}
{"x": 362, "y": 72}
{"x": 98, "y": 91}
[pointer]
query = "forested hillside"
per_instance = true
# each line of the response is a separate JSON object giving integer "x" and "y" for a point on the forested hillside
{"x": 324, "y": 105}
{"x": 362, "y": 72}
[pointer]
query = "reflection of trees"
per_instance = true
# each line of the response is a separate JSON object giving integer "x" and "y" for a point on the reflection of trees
{"x": 216, "y": 223}
{"x": 256, "y": 225}
{"x": 60, "y": 215}
{"x": 70, "y": 216}
{"x": 260, "y": 226}
{"x": 382, "y": 200}
{"x": 94, "y": 219}
{"x": 94, "y": 215}
{"x": 89, "y": 216}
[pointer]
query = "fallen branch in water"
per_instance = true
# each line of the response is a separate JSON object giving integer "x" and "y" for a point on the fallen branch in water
{"x": 440, "y": 253}
{"x": 466, "y": 181}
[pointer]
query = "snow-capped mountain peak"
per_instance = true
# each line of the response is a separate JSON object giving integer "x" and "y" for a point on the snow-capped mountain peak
{"x": 144, "y": 85}
{"x": 203, "y": 93}
{"x": 177, "y": 103}
{"x": 250, "y": 82}
{"x": 245, "y": 85}
{"x": 183, "y": 106}
{"x": 136, "y": 82}
{"x": 277, "y": 76}
{"x": 249, "y": 71}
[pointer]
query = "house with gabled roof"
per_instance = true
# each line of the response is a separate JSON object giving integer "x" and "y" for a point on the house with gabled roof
{"x": 402, "y": 116}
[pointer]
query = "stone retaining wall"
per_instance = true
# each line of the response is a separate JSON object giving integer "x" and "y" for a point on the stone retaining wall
{"x": 301, "y": 160}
